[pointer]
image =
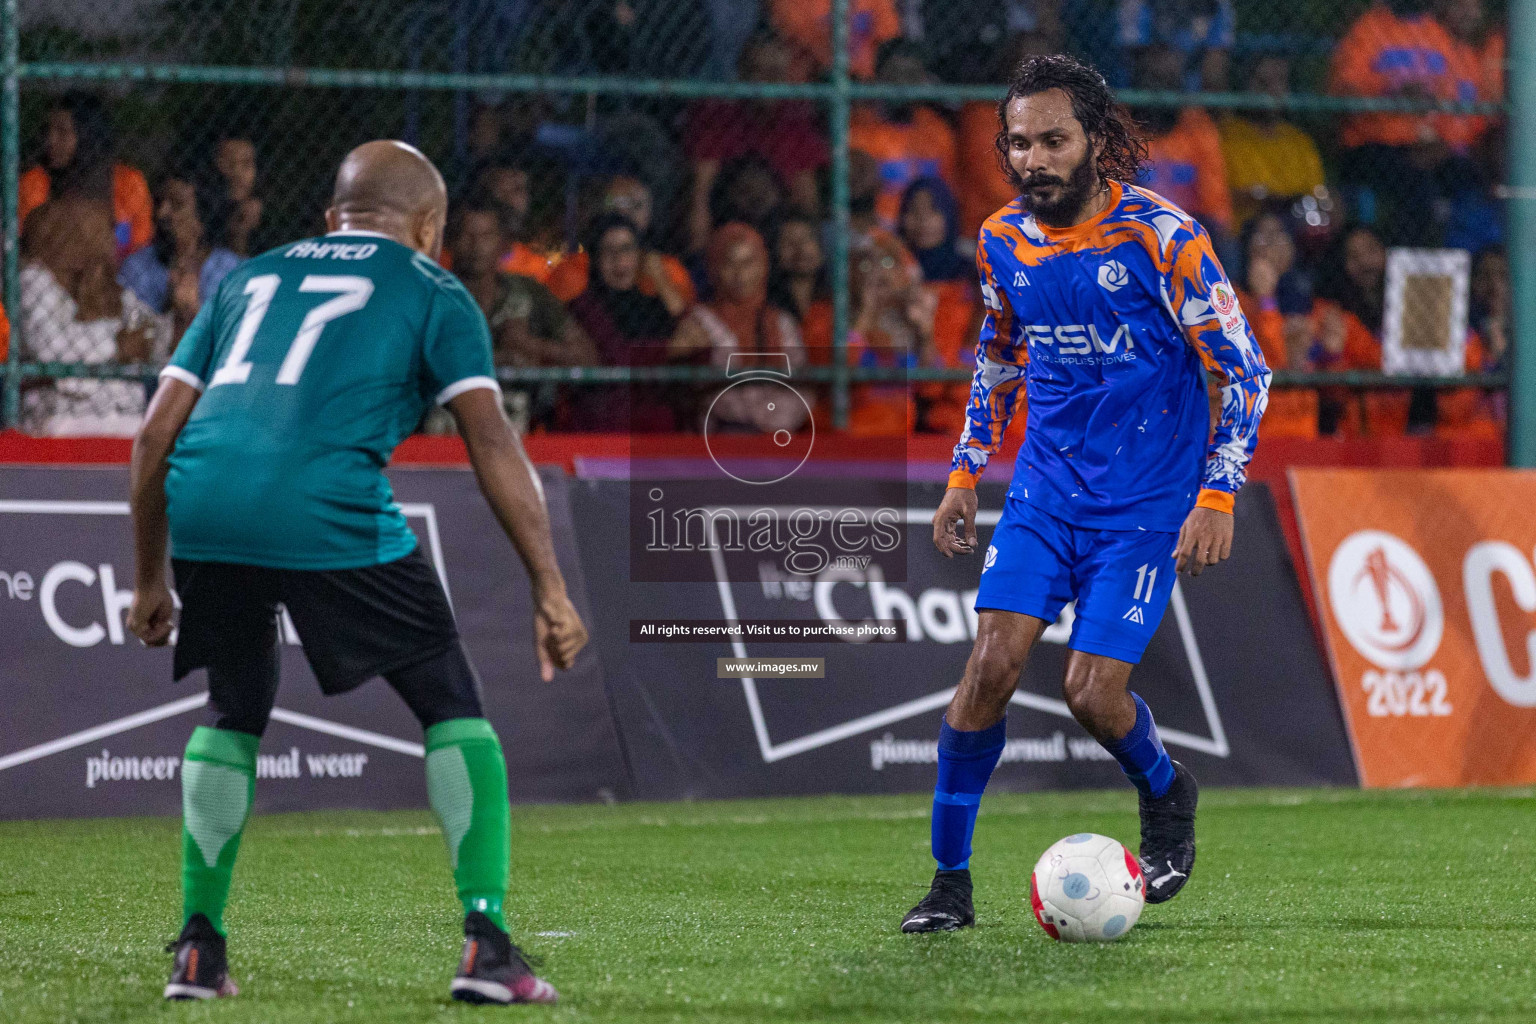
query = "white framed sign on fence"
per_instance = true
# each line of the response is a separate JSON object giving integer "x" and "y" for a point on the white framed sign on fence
{"x": 1424, "y": 324}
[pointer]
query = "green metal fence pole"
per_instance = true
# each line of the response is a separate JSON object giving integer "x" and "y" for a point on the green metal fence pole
{"x": 10, "y": 158}
{"x": 839, "y": 115}
{"x": 1522, "y": 230}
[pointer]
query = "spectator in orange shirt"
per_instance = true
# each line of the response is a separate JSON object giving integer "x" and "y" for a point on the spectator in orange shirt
{"x": 1480, "y": 47}
{"x": 1347, "y": 327}
{"x": 739, "y": 318}
{"x": 1409, "y": 163}
{"x": 1492, "y": 53}
{"x": 1184, "y": 161}
{"x": 808, "y": 24}
{"x": 78, "y": 157}
{"x": 508, "y": 183}
{"x": 892, "y": 326}
{"x": 519, "y": 259}
{"x": 661, "y": 276}
{"x": 908, "y": 140}
{"x": 1474, "y": 412}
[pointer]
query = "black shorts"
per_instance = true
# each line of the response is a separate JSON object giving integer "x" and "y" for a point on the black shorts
{"x": 354, "y": 623}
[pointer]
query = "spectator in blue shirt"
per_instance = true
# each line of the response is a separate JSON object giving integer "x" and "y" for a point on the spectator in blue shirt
{"x": 1201, "y": 31}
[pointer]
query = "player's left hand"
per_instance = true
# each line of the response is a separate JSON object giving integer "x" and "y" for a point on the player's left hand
{"x": 1204, "y": 539}
{"x": 558, "y": 632}
{"x": 149, "y": 617}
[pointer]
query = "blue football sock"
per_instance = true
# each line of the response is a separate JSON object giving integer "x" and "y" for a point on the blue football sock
{"x": 966, "y": 760}
{"x": 1141, "y": 754}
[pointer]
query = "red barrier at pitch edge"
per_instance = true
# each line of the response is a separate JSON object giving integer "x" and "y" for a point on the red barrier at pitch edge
{"x": 1274, "y": 455}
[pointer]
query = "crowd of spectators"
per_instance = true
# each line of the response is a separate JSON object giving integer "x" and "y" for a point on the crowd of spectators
{"x": 689, "y": 233}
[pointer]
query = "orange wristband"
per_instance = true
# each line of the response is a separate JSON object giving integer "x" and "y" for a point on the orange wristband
{"x": 963, "y": 478}
{"x": 1221, "y": 501}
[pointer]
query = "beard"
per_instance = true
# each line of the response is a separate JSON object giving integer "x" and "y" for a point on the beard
{"x": 1056, "y": 202}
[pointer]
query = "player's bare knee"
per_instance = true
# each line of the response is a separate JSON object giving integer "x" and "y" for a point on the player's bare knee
{"x": 991, "y": 676}
{"x": 1087, "y": 695}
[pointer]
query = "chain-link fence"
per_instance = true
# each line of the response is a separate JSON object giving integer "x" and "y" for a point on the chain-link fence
{"x": 597, "y": 150}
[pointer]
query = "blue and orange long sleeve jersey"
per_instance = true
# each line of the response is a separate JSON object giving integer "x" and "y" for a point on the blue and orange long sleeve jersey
{"x": 1109, "y": 326}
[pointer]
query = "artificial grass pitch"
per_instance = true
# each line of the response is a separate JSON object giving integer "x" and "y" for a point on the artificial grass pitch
{"x": 1305, "y": 906}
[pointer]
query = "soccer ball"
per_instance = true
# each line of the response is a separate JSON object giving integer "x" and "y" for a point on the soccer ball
{"x": 1087, "y": 888}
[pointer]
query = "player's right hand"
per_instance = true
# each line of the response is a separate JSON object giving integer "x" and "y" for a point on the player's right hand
{"x": 149, "y": 617}
{"x": 958, "y": 506}
{"x": 558, "y": 632}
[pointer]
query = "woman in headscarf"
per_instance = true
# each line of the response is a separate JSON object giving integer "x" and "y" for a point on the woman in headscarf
{"x": 628, "y": 328}
{"x": 739, "y": 322}
{"x": 891, "y": 325}
{"x": 930, "y": 225}
{"x": 1280, "y": 313}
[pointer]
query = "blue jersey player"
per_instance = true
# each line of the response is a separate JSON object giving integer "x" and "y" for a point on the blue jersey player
{"x": 1106, "y": 307}
{"x": 261, "y": 460}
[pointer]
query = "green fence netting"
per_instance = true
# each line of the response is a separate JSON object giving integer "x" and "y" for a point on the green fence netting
{"x": 149, "y": 145}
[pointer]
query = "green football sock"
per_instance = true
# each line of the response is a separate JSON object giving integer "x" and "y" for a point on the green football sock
{"x": 218, "y": 782}
{"x": 467, "y": 788}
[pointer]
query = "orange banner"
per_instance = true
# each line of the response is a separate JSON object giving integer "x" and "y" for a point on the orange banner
{"x": 1426, "y": 583}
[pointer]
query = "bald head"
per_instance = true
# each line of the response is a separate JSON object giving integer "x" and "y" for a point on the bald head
{"x": 390, "y": 187}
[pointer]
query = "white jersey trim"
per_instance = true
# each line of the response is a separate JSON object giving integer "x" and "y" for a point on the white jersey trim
{"x": 185, "y": 376}
{"x": 458, "y": 387}
{"x": 359, "y": 232}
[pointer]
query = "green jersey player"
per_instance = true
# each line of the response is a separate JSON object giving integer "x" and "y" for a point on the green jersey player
{"x": 262, "y": 458}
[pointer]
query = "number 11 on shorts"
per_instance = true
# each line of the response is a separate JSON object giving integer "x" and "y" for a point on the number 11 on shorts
{"x": 1143, "y": 575}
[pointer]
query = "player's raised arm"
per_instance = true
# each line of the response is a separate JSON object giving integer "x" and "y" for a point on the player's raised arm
{"x": 511, "y": 486}
{"x": 1205, "y": 304}
{"x": 999, "y": 378}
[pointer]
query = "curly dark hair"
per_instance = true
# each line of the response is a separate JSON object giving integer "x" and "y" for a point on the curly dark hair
{"x": 1104, "y": 120}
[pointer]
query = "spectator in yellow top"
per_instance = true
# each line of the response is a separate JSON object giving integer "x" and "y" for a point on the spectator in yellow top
{"x": 1267, "y": 157}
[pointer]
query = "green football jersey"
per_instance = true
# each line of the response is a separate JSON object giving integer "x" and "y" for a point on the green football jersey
{"x": 314, "y": 361}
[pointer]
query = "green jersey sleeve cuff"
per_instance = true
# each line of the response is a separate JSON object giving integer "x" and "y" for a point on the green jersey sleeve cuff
{"x": 458, "y": 387}
{"x": 185, "y": 376}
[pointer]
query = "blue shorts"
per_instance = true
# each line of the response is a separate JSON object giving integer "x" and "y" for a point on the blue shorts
{"x": 1120, "y": 579}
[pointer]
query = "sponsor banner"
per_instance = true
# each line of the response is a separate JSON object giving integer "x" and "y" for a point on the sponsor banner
{"x": 1233, "y": 674}
{"x": 94, "y": 725}
{"x": 1428, "y": 598}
